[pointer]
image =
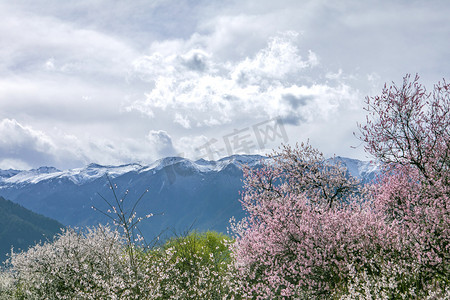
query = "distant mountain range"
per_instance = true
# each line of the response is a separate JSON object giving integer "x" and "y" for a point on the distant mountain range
{"x": 21, "y": 228}
{"x": 183, "y": 194}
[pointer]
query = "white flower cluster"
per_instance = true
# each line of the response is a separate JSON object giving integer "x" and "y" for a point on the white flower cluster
{"x": 76, "y": 265}
{"x": 95, "y": 264}
{"x": 6, "y": 285}
{"x": 389, "y": 284}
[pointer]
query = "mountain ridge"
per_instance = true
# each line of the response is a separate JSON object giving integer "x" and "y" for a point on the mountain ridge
{"x": 21, "y": 228}
{"x": 95, "y": 170}
{"x": 182, "y": 193}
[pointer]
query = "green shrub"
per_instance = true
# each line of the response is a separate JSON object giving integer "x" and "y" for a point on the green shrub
{"x": 196, "y": 266}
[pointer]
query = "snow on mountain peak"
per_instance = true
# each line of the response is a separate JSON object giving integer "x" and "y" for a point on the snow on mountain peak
{"x": 358, "y": 168}
{"x": 46, "y": 170}
{"x": 77, "y": 176}
{"x": 8, "y": 173}
{"x": 33, "y": 175}
{"x": 94, "y": 171}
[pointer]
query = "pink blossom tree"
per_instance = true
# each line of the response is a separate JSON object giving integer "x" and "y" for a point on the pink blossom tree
{"x": 409, "y": 126}
{"x": 313, "y": 232}
{"x": 408, "y": 129}
{"x": 308, "y": 227}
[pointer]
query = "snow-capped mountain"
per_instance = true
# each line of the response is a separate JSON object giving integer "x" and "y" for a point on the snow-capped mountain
{"x": 91, "y": 172}
{"x": 363, "y": 170}
{"x": 8, "y": 173}
{"x": 182, "y": 193}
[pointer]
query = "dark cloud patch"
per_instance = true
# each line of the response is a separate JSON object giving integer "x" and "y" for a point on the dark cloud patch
{"x": 296, "y": 101}
{"x": 230, "y": 98}
{"x": 195, "y": 61}
{"x": 292, "y": 119}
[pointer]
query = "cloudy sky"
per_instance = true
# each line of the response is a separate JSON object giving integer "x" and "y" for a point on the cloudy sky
{"x": 115, "y": 82}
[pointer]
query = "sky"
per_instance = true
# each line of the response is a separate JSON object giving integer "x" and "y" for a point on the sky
{"x": 117, "y": 82}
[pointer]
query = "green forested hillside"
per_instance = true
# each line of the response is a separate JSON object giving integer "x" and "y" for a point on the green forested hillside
{"x": 21, "y": 228}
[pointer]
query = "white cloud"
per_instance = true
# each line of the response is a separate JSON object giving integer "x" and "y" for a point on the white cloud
{"x": 116, "y": 150}
{"x": 182, "y": 120}
{"x": 23, "y": 143}
{"x": 72, "y": 49}
{"x": 197, "y": 147}
{"x": 50, "y": 64}
{"x": 90, "y": 81}
{"x": 161, "y": 141}
{"x": 15, "y": 164}
{"x": 23, "y": 147}
{"x": 213, "y": 93}
{"x": 16, "y": 136}
{"x": 278, "y": 61}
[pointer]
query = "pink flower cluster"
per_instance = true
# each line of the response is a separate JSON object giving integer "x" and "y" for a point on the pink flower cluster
{"x": 312, "y": 231}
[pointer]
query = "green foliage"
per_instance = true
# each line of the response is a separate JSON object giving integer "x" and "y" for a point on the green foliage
{"x": 200, "y": 246}
{"x": 195, "y": 266}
